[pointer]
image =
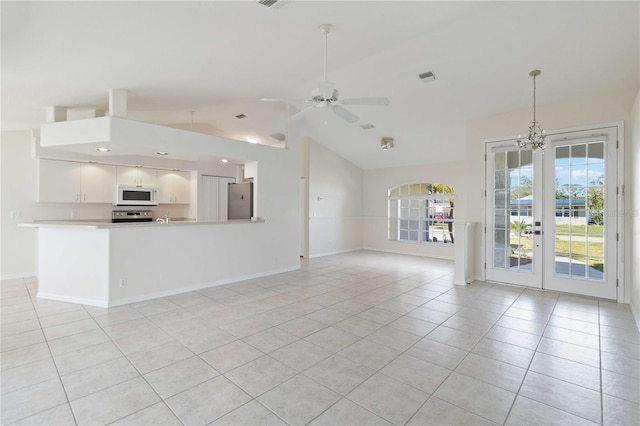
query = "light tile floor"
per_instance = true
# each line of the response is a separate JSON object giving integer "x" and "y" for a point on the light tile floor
{"x": 362, "y": 338}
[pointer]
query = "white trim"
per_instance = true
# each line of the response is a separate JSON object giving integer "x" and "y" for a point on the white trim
{"x": 172, "y": 292}
{"x": 329, "y": 253}
{"x": 408, "y": 253}
{"x": 15, "y": 276}
{"x": 69, "y": 299}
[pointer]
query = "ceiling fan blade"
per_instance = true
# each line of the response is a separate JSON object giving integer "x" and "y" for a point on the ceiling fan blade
{"x": 346, "y": 115}
{"x": 285, "y": 100}
{"x": 299, "y": 114}
{"x": 365, "y": 101}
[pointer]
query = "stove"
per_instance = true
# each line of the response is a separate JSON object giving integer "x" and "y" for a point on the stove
{"x": 120, "y": 216}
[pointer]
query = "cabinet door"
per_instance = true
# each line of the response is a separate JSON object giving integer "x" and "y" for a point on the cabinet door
{"x": 98, "y": 183}
{"x": 182, "y": 187}
{"x": 210, "y": 198}
{"x": 223, "y": 197}
{"x": 165, "y": 187}
{"x": 58, "y": 181}
{"x": 127, "y": 175}
{"x": 147, "y": 177}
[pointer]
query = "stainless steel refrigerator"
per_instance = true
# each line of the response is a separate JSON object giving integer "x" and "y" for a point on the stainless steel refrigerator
{"x": 240, "y": 201}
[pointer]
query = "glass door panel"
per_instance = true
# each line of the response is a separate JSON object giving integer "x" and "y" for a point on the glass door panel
{"x": 512, "y": 249}
{"x": 582, "y": 240}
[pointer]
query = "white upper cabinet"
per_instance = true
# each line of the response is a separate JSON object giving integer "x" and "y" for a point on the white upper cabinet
{"x": 73, "y": 182}
{"x": 58, "y": 181}
{"x": 137, "y": 176}
{"x": 174, "y": 187}
{"x": 98, "y": 183}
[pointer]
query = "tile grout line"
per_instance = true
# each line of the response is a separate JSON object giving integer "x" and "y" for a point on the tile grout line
{"x": 55, "y": 364}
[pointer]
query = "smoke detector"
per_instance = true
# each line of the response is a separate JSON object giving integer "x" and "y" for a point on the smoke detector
{"x": 386, "y": 143}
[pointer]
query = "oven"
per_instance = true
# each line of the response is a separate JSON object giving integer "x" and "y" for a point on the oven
{"x": 121, "y": 216}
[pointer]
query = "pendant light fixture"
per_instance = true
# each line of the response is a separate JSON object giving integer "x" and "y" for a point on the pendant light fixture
{"x": 537, "y": 138}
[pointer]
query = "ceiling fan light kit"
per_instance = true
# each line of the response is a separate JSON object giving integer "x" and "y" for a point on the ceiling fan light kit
{"x": 327, "y": 96}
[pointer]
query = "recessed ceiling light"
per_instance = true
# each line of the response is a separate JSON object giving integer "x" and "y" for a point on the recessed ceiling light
{"x": 102, "y": 149}
{"x": 252, "y": 140}
{"x": 224, "y": 160}
{"x": 175, "y": 170}
{"x": 367, "y": 126}
{"x": 162, "y": 153}
{"x": 138, "y": 166}
{"x": 92, "y": 162}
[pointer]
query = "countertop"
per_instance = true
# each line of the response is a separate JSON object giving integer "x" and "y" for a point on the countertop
{"x": 106, "y": 224}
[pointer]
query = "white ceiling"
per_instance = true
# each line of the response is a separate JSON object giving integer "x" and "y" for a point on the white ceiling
{"x": 219, "y": 58}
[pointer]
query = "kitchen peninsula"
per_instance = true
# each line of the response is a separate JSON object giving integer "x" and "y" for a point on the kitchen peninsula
{"x": 110, "y": 264}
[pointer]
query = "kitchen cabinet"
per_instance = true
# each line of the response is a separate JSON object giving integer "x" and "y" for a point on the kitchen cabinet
{"x": 137, "y": 176}
{"x": 74, "y": 182}
{"x": 174, "y": 187}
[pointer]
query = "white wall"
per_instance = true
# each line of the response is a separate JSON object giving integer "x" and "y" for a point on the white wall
{"x": 633, "y": 216}
{"x": 590, "y": 111}
{"x": 335, "y": 202}
{"x": 376, "y": 186}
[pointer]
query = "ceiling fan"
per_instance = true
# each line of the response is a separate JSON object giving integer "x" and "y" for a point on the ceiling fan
{"x": 326, "y": 94}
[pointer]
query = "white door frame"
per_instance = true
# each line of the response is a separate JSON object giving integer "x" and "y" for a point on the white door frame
{"x": 620, "y": 202}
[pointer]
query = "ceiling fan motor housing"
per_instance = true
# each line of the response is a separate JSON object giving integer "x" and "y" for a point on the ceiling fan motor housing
{"x": 326, "y": 91}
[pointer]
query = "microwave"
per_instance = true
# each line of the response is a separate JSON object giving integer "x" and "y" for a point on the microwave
{"x": 136, "y": 196}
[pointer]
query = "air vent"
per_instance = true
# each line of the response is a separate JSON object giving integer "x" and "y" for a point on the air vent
{"x": 278, "y": 136}
{"x": 427, "y": 76}
{"x": 367, "y": 126}
{"x": 241, "y": 116}
{"x": 267, "y": 3}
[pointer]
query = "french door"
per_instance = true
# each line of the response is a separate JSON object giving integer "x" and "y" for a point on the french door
{"x": 548, "y": 213}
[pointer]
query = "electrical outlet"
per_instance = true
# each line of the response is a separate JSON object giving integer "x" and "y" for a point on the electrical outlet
{"x": 123, "y": 282}
{"x": 12, "y": 214}
{"x": 74, "y": 213}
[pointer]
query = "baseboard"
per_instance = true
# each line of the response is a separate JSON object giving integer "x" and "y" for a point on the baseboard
{"x": 195, "y": 287}
{"x": 78, "y": 300}
{"x": 312, "y": 256}
{"x": 635, "y": 311}
{"x": 15, "y": 276}
{"x": 408, "y": 253}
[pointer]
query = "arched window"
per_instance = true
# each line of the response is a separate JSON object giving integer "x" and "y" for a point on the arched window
{"x": 421, "y": 213}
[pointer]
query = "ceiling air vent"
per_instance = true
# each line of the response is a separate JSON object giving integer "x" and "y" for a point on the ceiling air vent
{"x": 267, "y": 3}
{"x": 241, "y": 116}
{"x": 278, "y": 136}
{"x": 427, "y": 76}
{"x": 367, "y": 126}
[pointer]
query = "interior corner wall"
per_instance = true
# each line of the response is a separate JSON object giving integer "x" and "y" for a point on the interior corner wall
{"x": 335, "y": 202}
{"x": 565, "y": 115}
{"x": 376, "y": 219}
{"x": 633, "y": 217}
{"x": 18, "y": 177}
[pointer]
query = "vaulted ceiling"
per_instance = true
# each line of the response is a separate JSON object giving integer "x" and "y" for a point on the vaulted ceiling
{"x": 219, "y": 58}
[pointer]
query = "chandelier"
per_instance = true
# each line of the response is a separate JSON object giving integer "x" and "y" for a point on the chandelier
{"x": 537, "y": 138}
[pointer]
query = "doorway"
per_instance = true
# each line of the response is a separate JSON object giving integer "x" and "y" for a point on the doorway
{"x": 550, "y": 215}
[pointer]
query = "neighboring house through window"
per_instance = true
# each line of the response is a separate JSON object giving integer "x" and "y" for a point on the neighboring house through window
{"x": 421, "y": 213}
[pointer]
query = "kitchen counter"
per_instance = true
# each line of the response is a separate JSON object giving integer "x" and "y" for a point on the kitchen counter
{"x": 105, "y": 224}
{"x": 105, "y": 264}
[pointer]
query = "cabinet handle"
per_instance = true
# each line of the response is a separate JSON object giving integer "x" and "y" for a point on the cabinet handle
{"x": 84, "y": 197}
{"x": 77, "y": 197}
